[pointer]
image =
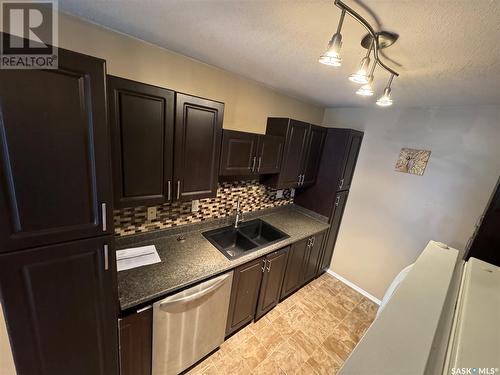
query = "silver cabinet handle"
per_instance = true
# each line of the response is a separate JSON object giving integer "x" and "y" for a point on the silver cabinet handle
{"x": 263, "y": 265}
{"x": 341, "y": 184}
{"x": 268, "y": 266}
{"x": 298, "y": 182}
{"x": 337, "y": 200}
{"x": 313, "y": 240}
{"x": 212, "y": 286}
{"x": 303, "y": 178}
{"x": 178, "y": 189}
{"x": 169, "y": 190}
{"x": 106, "y": 258}
{"x": 260, "y": 162}
{"x": 104, "y": 217}
{"x": 253, "y": 163}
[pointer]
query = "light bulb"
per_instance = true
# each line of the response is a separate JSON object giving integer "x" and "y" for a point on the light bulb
{"x": 366, "y": 90}
{"x": 332, "y": 54}
{"x": 361, "y": 76}
{"x": 385, "y": 100}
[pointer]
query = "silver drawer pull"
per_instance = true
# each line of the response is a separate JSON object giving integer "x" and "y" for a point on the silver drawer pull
{"x": 260, "y": 162}
{"x": 337, "y": 200}
{"x": 341, "y": 183}
{"x": 103, "y": 217}
{"x": 106, "y": 258}
{"x": 268, "y": 266}
{"x": 178, "y": 189}
{"x": 253, "y": 164}
{"x": 169, "y": 190}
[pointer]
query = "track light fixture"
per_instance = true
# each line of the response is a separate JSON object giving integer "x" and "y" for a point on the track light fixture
{"x": 373, "y": 42}
{"x": 385, "y": 100}
{"x": 332, "y": 54}
{"x": 362, "y": 76}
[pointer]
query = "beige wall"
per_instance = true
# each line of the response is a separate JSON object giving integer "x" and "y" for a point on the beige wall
{"x": 390, "y": 216}
{"x": 247, "y": 103}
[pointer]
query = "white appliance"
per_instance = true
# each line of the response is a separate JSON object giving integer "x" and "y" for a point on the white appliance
{"x": 190, "y": 324}
{"x": 443, "y": 318}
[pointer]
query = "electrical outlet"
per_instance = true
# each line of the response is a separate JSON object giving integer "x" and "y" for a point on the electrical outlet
{"x": 152, "y": 213}
{"x": 195, "y": 205}
{"x": 279, "y": 194}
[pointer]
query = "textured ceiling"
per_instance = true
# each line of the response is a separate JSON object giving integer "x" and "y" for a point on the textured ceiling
{"x": 448, "y": 52}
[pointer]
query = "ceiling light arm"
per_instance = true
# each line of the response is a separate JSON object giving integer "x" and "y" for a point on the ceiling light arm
{"x": 346, "y": 9}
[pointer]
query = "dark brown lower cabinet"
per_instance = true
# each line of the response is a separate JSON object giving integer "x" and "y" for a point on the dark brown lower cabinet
{"x": 313, "y": 257}
{"x": 244, "y": 294}
{"x": 136, "y": 335}
{"x": 338, "y": 211}
{"x": 272, "y": 281}
{"x": 293, "y": 274}
{"x": 60, "y": 305}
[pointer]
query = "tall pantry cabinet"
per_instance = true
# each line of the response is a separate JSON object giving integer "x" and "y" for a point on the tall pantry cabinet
{"x": 57, "y": 265}
{"x": 328, "y": 196}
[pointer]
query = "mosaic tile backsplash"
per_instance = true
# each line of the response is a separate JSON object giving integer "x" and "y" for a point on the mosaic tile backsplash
{"x": 253, "y": 196}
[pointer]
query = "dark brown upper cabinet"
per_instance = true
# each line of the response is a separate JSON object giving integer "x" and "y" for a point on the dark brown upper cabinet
{"x": 249, "y": 154}
{"x": 274, "y": 271}
{"x": 55, "y": 175}
{"x": 244, "y": 294}
{"x": 239, "y": 153}
{"x": 336, "y": 168}
{"x": 270, "y": 154}
{"x": 331, "y": 237}
{"x": 60, "y": 305}
{"x": 142, "y": 133}
{"x": 312, "y": 258}
{"x": 295, "y": 134}
{"x": 136, "y": 338}
{"x": 198, "y": 138}
{"x": 315, "y": 141}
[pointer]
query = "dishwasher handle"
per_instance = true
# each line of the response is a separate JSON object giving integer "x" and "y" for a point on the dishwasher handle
{"x": 214, "y": 285}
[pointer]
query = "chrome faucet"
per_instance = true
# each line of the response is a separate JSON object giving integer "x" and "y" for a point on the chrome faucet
{"x": 239, "y": 215}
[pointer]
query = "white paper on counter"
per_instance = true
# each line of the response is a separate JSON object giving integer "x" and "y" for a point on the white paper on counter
{"x": 136, "y": 257}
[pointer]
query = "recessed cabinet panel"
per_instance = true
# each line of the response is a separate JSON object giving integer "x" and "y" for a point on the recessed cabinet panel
{"x": 60, "y": 305}
{"x": 141, "y": 118}
{"x": 136, "y": 337}
{"x": 336, "y": 219}
{"x": 197, "y": 147}
{"x": 350, "y": 161}
{"x": 244, "y": 293}
{"x": 315, "y": 143}
{"x": 238, "y": 153}
{"x": 270, "y": 154}
{"x": 54, "y": 151}
{"x": 294, "y": 268}
{"x": 272, "y": 281}
{"x": 313, "y": 257}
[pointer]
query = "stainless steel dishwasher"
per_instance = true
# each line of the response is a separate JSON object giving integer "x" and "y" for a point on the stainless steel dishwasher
{"x": 190, "y": 324}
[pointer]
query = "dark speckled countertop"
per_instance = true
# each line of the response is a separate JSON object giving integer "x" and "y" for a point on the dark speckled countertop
{"x": 196, "y": 259}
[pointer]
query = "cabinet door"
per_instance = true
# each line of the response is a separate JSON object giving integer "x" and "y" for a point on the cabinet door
{"x": 293, "y": 157}
{"x": 315, "y": 142}
{"x": 313, "y": 257}
{"x": 244, "y": 293}
{"x": 272, "y": 281}
{"x": 239, "y": 151}
{"x": 60, "y": 305}
{"x": 293, "y": 274}
{"x": 336, "y": 216}
{"x": 142, "y": 131}
{"x": 55, "y": 175}
{"x": 198, "y": 135}
{"x": 355, "y": 139}
{"x": 270, "y": 154}
{"x": 136, "y": 335}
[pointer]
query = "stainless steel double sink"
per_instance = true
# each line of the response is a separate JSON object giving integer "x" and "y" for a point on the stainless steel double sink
{"x": 248, "y": 237}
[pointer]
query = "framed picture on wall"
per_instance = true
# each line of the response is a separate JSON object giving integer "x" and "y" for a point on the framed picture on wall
{"x": 412, "y": 161}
